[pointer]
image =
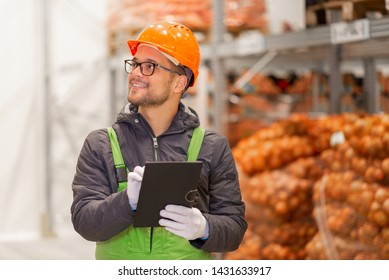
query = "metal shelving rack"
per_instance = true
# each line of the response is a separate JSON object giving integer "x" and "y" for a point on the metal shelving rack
{"x": 312, "y": 48}
{"x": 306, "y": 49}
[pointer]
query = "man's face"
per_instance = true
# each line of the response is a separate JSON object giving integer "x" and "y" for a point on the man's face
{"x": 151, "y": 90}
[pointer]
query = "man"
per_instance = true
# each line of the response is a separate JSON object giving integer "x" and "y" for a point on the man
{"x": 156, "y": 126}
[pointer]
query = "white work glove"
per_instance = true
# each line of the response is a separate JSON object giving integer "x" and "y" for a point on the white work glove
{"x": 186, "y": 222}
{"x": 134, "y": 180}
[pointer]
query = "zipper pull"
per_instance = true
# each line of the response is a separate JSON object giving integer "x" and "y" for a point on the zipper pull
{"x": 155, "y": 148}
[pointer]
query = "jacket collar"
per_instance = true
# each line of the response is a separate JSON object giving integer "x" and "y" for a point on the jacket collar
{"x": 185, "y": 118}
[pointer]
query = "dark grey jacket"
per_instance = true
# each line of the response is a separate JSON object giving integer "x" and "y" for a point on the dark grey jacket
{"x": 99, "y": 212}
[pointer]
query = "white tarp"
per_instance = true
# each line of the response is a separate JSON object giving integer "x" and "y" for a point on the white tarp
{"x": 79, "y": 76}
{"x": 20, "y": 122}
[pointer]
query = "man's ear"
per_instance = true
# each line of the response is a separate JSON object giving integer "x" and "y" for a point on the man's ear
{"x": 181, "y": 83}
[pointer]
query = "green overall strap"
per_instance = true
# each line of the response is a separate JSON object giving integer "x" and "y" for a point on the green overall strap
{"x": 120, "y": 168}
{"x": 195, "y": 143}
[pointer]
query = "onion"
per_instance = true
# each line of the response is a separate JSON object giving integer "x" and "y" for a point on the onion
{"x": 385, "y": 206}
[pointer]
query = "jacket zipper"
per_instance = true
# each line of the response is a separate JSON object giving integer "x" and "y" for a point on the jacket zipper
{"x": 155, "y": 145}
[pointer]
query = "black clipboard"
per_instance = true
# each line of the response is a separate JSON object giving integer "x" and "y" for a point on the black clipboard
{"x": 163, "y": 183}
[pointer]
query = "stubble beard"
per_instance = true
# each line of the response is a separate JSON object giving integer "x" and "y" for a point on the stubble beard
{"x": 151, "y": 97}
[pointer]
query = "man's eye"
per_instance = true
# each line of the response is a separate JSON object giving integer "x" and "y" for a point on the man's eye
{"x": 149, "y": 66}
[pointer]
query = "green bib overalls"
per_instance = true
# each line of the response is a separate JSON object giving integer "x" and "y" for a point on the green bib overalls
{"x": 147, "y": 243}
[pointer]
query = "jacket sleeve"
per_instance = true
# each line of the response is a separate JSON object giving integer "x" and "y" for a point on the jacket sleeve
{"x": 98, "y": 211}
{"x": 227, "y": 224}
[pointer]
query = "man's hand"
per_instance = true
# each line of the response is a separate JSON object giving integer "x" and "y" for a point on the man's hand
{"x": 133, "y": 185}
{"x": 186, "y": 222}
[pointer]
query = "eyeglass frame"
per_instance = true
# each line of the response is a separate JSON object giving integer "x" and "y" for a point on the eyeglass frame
{"x": 155, "y": 65}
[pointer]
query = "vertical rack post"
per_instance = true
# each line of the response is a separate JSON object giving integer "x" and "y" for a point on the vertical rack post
{"x": 217, "y": 64}
{"x": 317, "y": 71}
{"x": 47, "y": 219}
{"x": 370, "y": 88}
{"x": 335, "y": 73}
{"x": 113, "y": 89}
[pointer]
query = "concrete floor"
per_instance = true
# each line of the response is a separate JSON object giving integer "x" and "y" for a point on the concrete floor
{"x": 68, "y": 247}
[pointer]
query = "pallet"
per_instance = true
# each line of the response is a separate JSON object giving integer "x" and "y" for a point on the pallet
{"x": 349, "y": 10}
{"x": 117, "y": 39}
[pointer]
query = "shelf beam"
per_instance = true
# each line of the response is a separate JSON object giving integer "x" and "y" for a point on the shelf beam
{"x": 300, "y": 39}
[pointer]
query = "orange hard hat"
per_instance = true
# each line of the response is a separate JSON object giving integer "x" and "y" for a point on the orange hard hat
{"x": 174, "y": 39}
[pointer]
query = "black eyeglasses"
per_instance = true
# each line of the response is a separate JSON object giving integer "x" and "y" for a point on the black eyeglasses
{"x": 146, "y": 68}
